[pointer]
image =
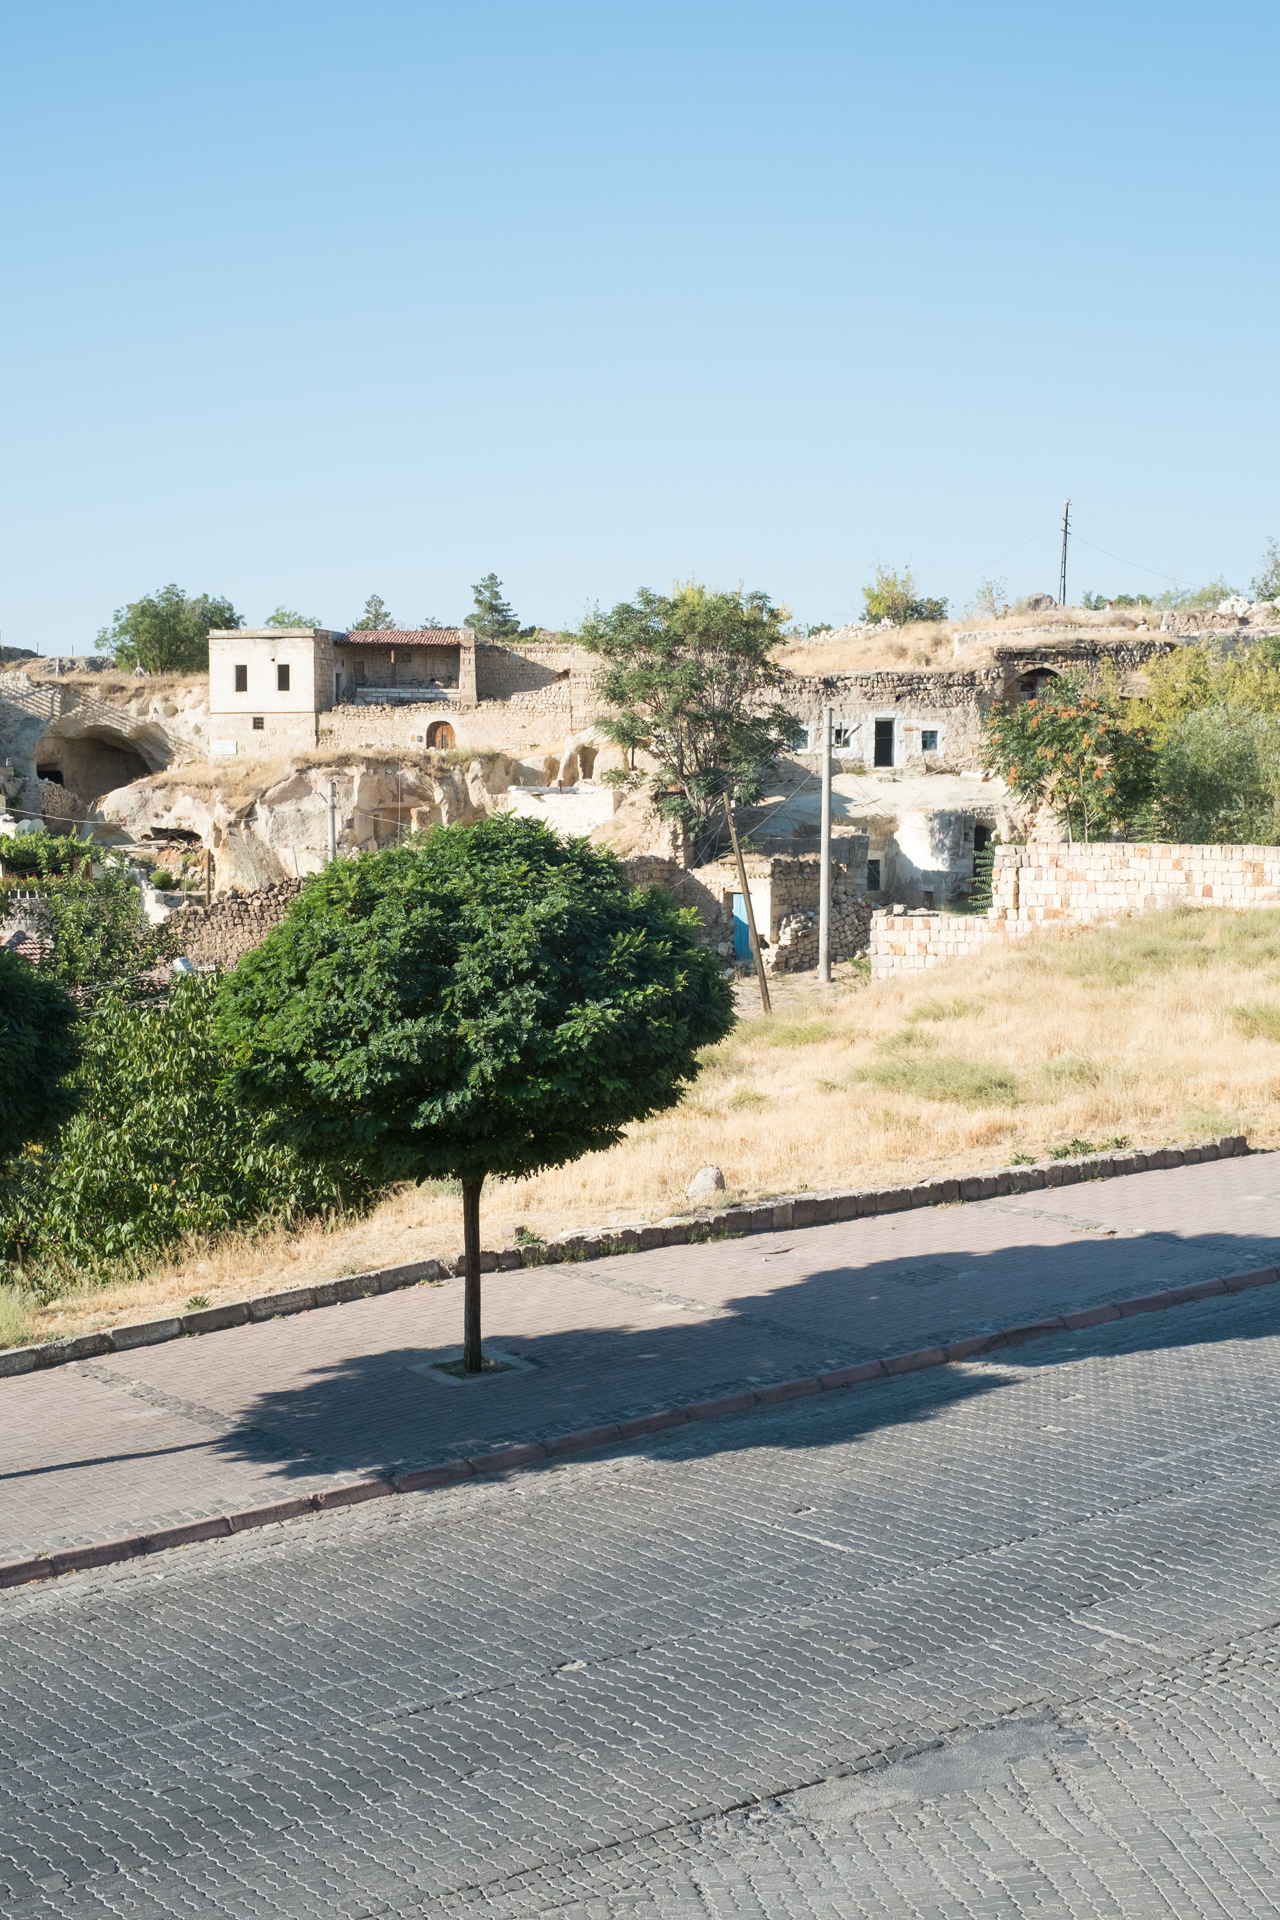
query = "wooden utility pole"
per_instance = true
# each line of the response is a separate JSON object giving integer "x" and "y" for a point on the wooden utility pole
{"x": 747, "y": 908}
{"x": 824, "y": 884}
{"x": 1062, "y": 577}
{"x": 208, "y": 876}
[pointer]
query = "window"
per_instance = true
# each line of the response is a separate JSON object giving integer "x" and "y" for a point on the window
{"x": 257, "y": 723}
{"x": 873, "y": 876}
{"x": 842, "y": 736}
{"x": 884, "y": 743}
{"x": 282, "y": 679}
{"x": 928, "y": 740}
{"x": 242, "y": 679}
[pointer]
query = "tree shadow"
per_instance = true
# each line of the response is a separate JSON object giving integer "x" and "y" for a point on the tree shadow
{"x": 381, "y": 1412}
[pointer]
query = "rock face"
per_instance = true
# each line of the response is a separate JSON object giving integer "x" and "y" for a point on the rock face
{"x": 279, "y": 832}
{"x": 1234, "y": 615}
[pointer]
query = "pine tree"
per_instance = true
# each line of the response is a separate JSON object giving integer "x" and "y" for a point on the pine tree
{"x": 375, "y": 617}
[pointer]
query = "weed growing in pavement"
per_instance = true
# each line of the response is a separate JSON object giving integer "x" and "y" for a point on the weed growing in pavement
{"x": 196, "y": 1301}
{"x": 17, "y": 1320}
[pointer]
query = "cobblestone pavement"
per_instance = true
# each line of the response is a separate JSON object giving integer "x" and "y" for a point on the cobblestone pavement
{"x": 998, "y": 1639}
{"x": 137, "y": 1441}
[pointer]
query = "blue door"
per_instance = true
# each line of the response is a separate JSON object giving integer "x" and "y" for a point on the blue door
{"x": 741, "y": 937}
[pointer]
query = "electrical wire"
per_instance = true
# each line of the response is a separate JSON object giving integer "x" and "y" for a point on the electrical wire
{"x": 1004, "y": 556}
{"x": 1125, "y": 563}
{"x": 1223, "y": 559}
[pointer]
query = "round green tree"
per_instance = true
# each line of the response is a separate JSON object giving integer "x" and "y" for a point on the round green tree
{"x": 40, "y": 1047}
{"x": 486, "y": 1000}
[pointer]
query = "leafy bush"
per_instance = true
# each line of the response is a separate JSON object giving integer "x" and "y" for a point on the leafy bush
{"x": 1267, "y": 584}
{"x": 40, "y": 853}
{"x": 163, "y": 878}
{"x": 1071, "y": 749}
{"x": 39, "y": 1045}
{"x": 157, "y": 1153}
{"x": 1196, "y": 677}
{"x": 1219, "y": 779}
{"x": 892, "y": 596}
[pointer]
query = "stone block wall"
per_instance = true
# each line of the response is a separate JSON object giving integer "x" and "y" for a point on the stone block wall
{"x": 784, "y": 895}
{"x": 1046, "y": 883}
{"x": 504, "y": 671}
{"x": 528, "y": 724}
{"x": 221, "y": 934}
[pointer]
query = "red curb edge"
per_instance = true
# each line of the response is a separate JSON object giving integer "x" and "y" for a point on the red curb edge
{"x": 105, "y": 1553}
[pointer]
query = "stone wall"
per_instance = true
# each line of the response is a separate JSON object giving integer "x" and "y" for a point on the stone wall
{"x": 502, "y": 671}
{"x": 528, "y": 724}
{"x": 948, "y": 705}
{"x": 221, "y": 934}
{"x": 784, "y": 897}
{"x": 1046, "y": 883}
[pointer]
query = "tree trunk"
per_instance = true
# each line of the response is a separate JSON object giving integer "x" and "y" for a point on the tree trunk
{"x": 472, "y": 1358}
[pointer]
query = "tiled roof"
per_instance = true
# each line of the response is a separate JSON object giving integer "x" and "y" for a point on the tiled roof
{"x": 404, "y": 637}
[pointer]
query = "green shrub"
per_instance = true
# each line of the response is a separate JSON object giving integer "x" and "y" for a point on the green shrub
{"x": 1219, "y": 774}
{"x": 40, "y": 853}
{"x": 156, "y": 1154}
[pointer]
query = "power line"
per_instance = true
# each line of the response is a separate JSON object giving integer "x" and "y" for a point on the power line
{"x": 1226, "y": 560}
{"x": 1175, "y": 578}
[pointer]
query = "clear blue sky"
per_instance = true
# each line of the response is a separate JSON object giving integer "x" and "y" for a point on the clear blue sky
{"x": 307, "y": 301}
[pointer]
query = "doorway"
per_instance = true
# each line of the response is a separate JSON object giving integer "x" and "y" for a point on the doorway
{"x": 440, "y": 735}
{"x": 884, "y": 743}
{"x": 741, "y": 932}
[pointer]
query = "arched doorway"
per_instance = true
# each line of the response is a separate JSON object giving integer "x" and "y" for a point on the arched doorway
{"x": 440, "y": 734}
{"x": 1032, "y": 685}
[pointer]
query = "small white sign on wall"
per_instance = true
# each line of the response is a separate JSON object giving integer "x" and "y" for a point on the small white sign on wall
{"x": 222, "y": 746}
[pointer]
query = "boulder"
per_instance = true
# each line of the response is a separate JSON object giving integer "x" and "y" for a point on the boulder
{"x": 707, "y": 1181}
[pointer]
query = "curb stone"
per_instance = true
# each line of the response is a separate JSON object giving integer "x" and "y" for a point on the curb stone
{"x": 764, "y": 1216}
{"x": 509, "y": 1459}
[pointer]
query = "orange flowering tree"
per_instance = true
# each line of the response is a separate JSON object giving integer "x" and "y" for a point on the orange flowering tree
{"x": 1068, "y": 749}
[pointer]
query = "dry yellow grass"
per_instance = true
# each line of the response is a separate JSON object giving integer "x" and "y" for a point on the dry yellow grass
{"x": 1159, "y": 1030}
{"x": 933, "y": 643}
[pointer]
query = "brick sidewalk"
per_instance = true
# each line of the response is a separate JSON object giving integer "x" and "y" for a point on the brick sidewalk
{"x": 135, "y": 1441}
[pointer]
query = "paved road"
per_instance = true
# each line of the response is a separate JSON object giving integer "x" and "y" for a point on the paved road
{"x": 140, "y": 1440}
{"x": 999, "y": 1639}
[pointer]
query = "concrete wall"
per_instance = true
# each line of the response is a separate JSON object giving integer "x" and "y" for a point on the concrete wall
{"x": 232, "y": 735}
{"x": 571, "y": 812}
{"x": 1046, "y": 883}
{"x": 307, "y": 652}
